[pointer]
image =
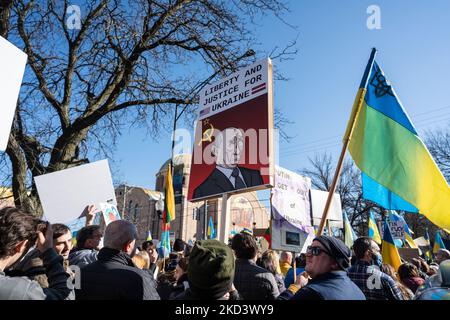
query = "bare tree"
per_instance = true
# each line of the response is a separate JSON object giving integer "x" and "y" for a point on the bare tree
{"x": 129, "y": 62}
{"x": 438, "y": 143}
{"x": 349, "y": 187}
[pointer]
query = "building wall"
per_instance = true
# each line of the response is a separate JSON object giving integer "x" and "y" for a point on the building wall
{"x": 135, "y": 206}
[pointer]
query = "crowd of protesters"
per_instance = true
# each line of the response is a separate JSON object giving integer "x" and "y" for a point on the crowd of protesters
{"x": 38, "y": 261}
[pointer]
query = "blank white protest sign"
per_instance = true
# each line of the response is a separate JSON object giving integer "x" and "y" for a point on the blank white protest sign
{"x": 12, "y": 67}
{"x": 64, "y": 194}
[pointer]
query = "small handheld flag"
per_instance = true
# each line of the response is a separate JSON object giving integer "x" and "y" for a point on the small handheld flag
{"x": 149, "y": 236}
{"x": 211, "y": 230}
{"x": 389, "y": 250}
{"x": 374, "y": 234}
{"x": 438, "y": 243}
{"x": 350, "y": 235}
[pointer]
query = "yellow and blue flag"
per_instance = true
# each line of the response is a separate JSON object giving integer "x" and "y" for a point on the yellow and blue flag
{"x": 428, "y": 254}
{"x": 389, "y": 250}
{"x": 438, "y": 243}
{"x": 374, "y": 234}
{"x": 149, "y": 236}
{"x": 211, "y": 230}
{"x": 387, "y": 149}
{"x": 349, "y": 235}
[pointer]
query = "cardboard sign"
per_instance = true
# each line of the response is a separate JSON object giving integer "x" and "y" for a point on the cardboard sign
{"x": 318, "y": 201}
{"x": 109, "y": 212}
{"x": 397, "y": 229}
{"x": 233, "y": 145}
{"x": 12, "y": 67}
{"x": 64, "y": 194}
{"x": 408, "y": 254}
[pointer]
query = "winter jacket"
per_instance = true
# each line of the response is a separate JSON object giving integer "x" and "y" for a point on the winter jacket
{"x": 22, "y": 288}
{"x": 284, "y": 266}
{"x": 280, "y": 282}
{"x": 114, "y": 277}
{"x": 82, "y": 257}
{"x": 180, "y": 286}
{"x": 33, "y": 268}
{"x": 335, "y": 285}
{"x": 253, "y": 282}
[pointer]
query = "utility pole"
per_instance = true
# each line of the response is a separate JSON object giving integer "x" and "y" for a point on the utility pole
{"x": 206, "y": 219}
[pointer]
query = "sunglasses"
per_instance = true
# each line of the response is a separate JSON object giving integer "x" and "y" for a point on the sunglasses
{"x": 315, "y": 251}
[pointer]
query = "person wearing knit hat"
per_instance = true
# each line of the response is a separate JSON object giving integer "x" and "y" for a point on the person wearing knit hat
{"x": 210, "y": 272}
{"x": 327, "y": 259}
{"x": 179, "y": 246}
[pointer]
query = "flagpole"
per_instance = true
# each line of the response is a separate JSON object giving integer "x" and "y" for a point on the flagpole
{"x": 348, "y": 134}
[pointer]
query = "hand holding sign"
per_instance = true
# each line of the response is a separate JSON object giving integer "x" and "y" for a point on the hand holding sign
{"x": 89, "y": 212}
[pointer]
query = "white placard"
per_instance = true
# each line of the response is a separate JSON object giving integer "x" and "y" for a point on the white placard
{"x": 318, "y": 201}
{"x": 64, "y": 194}
{"x": 396, "y": 227}
{"x": 12, "y": 67}
{"x": 291, "y": 211}
{"x": 239, "y": 87}
{"x": 291, "y": 197}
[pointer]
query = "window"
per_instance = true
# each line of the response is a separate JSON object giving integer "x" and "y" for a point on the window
{"x": 136, "y": 212}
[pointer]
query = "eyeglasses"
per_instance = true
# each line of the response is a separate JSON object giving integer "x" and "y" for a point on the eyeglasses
{"x": 315, "y": 251}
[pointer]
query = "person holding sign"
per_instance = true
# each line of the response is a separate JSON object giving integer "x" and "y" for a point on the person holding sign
{"x": 227, "y": 150}
{"x": 88, "y": 240}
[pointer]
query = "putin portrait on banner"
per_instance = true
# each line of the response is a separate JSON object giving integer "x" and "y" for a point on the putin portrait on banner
{"x": 227, "y": 175}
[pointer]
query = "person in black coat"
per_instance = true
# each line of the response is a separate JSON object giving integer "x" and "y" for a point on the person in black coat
{"x": 114, "y": 276}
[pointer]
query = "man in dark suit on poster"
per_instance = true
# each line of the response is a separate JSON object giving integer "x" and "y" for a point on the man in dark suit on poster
{"x": 227, "y": 176}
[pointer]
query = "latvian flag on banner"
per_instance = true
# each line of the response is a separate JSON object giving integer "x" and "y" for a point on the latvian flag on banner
{"x": 259, "y": 88}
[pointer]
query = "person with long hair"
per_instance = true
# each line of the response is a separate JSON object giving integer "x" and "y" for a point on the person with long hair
{"x": 271, "y": 262}
{"x": 390, "y": 271}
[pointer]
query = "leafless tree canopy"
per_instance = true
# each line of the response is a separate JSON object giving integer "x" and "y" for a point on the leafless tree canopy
{"x": 438, "y": 143}
{"x": 130, "y": 62}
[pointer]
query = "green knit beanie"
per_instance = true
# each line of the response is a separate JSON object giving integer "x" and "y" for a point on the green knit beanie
{"x": 211, "y": 268}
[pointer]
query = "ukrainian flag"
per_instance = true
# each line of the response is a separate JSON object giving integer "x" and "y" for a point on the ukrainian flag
{"x": 438, "y": 243}
{"x": 350, "y": 235}
{"x": 389, "y": 250}
{"x": 428, "y": 253}
{"x": 211, "y": 230}
{"x": 374, "y": 234}
{"x": 387, "y": 148}
{"x": 149, "y": 236}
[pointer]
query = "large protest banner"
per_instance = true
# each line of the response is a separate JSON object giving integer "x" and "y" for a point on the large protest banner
{"x": 291, "y": 211}
{"x": 12, "y": 67}
{"x": 318, "y": 201}
{"x": 233, "y": 138}
{"x": 64, "y": 194}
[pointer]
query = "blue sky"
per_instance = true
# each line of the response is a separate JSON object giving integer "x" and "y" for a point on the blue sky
{"x": 333, "y": 44}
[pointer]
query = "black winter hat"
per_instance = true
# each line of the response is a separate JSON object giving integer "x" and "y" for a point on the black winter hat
{"x": 337, "y": 249}
{"x": 211, "y": 269}
{"x": 178, "y": 245}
